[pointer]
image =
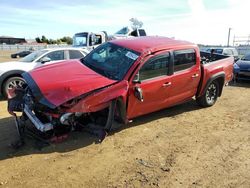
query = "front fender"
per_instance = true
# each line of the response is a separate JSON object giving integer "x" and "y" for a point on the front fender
{"x": 101, "y": 99}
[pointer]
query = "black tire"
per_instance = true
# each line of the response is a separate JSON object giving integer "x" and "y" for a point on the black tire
{"x": 11, "y": 83}
{"x": 111, "y": 115}
{"x": 210, "y": 95}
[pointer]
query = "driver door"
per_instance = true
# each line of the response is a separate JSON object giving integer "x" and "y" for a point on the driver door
{"x": 154, "y": 83}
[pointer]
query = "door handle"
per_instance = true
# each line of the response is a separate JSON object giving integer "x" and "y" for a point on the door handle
{"x": 167, "y": 84}
{"x": 195, "y": 75}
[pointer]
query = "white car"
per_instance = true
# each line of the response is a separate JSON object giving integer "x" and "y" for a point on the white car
{"x": 10, "y": 72}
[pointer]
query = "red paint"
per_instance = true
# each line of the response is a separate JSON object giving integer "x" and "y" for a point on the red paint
{"x": 222, "y": 66}
{"x": 67, "y": 80}
{"x": 62, "y": 82}
{"x": 101, "y": 99}
{"x": 142, "y": 44}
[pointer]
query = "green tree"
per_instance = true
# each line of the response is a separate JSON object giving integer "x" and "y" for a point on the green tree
{"x": 67, "y": 40}
{"x": 38, "y": 40}
{"x": 44, "y": 39}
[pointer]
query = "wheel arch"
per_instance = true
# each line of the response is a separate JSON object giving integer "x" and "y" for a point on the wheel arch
{"x": 220, "y": 78}
{"x": 8, "y": 75}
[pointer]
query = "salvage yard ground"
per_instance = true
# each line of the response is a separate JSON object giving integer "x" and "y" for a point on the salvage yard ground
{"x": 184, "y": 146}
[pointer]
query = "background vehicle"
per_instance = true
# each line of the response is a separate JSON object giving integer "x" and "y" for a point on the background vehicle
{"x": 127, "y": 32}
{"x": 10, "y": 72}
{"x": 242, "y": 68}
{"x": 89, "y": 40}
{"x": 226, "y": 51}
{"x": 121, "y": 80}
{"x": 20, "y": 54}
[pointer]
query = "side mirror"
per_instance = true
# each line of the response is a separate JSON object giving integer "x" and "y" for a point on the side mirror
{"x": 137, "y": 79}
{"x": 45, "y": 60}
{"x": 92, "y": 39}
{"x": 138, "y": 94}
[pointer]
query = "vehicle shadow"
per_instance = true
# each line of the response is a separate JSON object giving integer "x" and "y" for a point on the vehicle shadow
{"x": 75, "y": 140}
{"x": 169, "y": 112}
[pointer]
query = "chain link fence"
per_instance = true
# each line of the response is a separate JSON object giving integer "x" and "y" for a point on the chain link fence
{"x": 22, "y": 47}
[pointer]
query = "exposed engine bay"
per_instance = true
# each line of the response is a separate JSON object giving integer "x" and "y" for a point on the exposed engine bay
{"x": 54, "y": 124}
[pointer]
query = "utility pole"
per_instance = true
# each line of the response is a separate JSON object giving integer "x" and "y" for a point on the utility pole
{"x": 229, "y": 31}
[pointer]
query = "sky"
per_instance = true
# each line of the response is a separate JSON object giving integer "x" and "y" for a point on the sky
{"x": 197, "y": 21}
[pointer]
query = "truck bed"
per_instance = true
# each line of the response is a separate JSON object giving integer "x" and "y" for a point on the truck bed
{"x": 213, "y": 66}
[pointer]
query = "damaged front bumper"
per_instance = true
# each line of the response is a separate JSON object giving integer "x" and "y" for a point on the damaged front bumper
{"x": 50, "y": 123}
{"x": 43, "y": 127}
{"x": 22, "y": 102}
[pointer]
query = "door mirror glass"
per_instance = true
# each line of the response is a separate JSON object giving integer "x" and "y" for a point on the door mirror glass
{"x": 137, "y": 78}
{"x": 139, "y": 94}
{"x": 45, "y": 60}
{"x": 92, "y": 39}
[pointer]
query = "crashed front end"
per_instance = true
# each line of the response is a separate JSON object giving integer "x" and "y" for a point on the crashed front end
{"x": 93, "y": 111}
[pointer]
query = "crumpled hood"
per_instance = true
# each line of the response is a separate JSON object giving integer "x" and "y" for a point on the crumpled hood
{"x": 58, "y": 83}
{"x": 243, "y": 64}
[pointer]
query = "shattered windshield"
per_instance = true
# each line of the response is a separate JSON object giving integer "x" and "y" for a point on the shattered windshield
{"x": 111, "y": 60}
{"x": 34, "y": 55}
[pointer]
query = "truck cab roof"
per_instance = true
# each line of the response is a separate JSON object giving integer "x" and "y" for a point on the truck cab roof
{"x": 151, "y": 43}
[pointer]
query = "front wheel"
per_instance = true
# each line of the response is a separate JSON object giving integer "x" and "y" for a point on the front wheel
{"x": 11, "y": 83}
{"x": 210, "y": 96}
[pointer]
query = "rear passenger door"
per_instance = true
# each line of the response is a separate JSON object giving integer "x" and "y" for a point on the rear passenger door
{"x": 186, "y": 76}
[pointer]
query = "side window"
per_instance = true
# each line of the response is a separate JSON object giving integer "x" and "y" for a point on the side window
{"x": 184, "y": 59}
{"x": 98, "y": 39}
{"x": 228, "y": 52}
{"x": 74, "y": 54}
{"x": 56, "y": 55}
{"x": 157, "y": 66}
{"x": 142, "y": 32}
{"x": 134, "y": 33}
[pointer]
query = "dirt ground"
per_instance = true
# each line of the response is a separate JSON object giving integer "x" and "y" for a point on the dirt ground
{"x": 5, "y": 55}
{"x": 184, "y": 146}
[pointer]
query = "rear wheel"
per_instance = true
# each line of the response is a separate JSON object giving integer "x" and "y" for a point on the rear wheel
{"x": 210, "y": 96}
{"x": 11, "y": 83}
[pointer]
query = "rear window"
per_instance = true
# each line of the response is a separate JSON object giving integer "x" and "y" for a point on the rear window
{"x": 218, "y": 51}
{"x": 184, "y": 59}
{"x": 142, "y": 32}
{"x": 74, "y": 54}
{"x": 228, "y": 52}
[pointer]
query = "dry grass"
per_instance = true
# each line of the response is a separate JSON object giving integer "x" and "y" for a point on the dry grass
{"x": 5, "y": 56}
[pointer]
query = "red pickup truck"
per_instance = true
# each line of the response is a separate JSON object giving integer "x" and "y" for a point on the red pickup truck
{"x": 118, "y": 81}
